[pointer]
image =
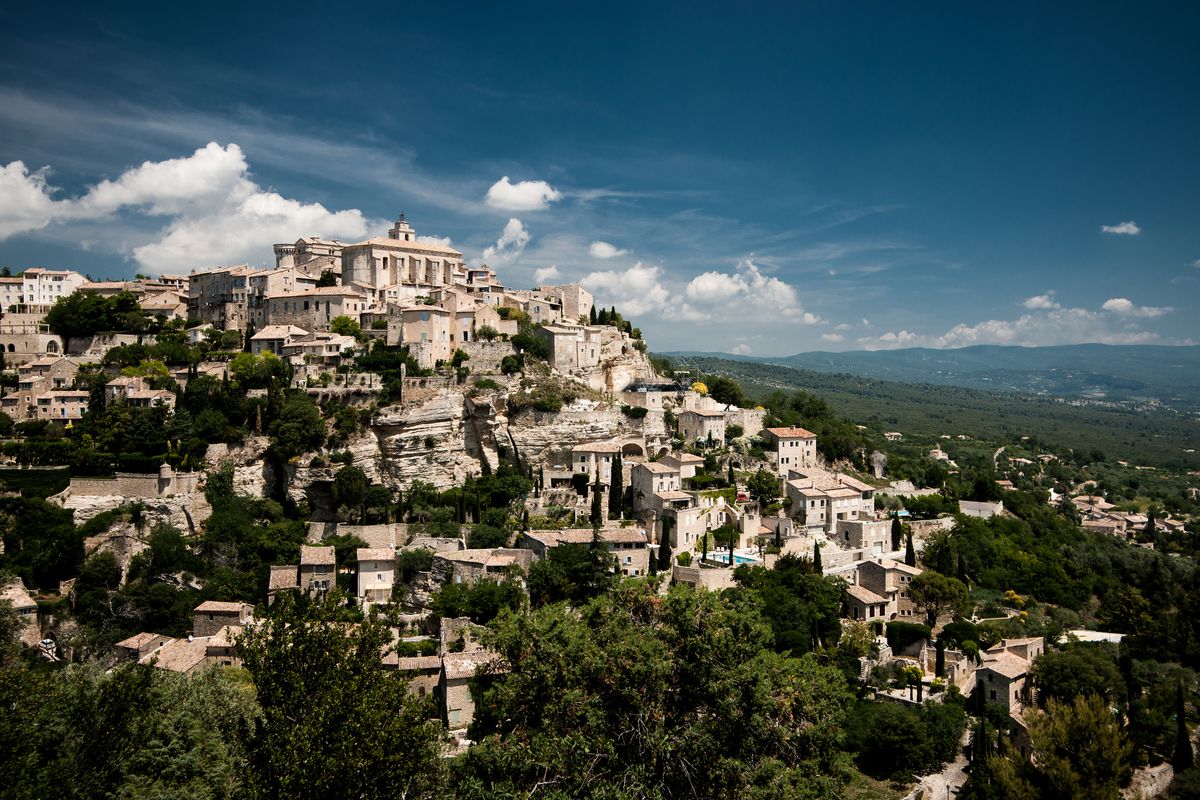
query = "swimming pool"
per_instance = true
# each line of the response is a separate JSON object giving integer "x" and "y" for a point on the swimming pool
{"x": 738, "y": 558}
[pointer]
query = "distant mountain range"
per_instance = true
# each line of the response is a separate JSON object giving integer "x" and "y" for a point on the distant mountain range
{"x": 1124, "y": 374}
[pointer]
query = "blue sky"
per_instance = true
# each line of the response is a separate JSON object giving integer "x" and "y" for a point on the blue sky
{"x": 759, "y": 178}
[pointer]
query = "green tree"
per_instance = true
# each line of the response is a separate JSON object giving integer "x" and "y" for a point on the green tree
{"x": 936, "y": 594}
{"x": 597, "y": 514}
{"x": 346, "y": 326}
{"x": 897, "y": 533}
{"x": 642, "y": 696}
{"x": 1077, "y": 671}
{"x": 570, "y": 572}
{"x": 763, "y": 486}
{"x": 299, "y": 428}
{"x": 333, "y": 724}
{"x": 350, "y": 486}
{"x": 1080, "y": 750}
{"x": 910, "y": 553}
{"x": 616, "y": 490}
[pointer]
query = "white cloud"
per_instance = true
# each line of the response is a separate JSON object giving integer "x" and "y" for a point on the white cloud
{"x": 604, "y": 250}
{"x": 742, "y": 349}
{"x": 509, "y": 246}
{"x": 444, "y": 241}
{"x": 634, "y": 291}
{"x": 25, "y": 201}
{"x": 898, "y": 337}
{"x": 841, "y": 327}
{"x": 1042, "y": 302}
{"x": 544, "y": 274}
{"x": 218, "y": 214}
{"x": 1126, "y": 308}
{"x": 521, "y": 196}
{"x": 752, "y": 289}
{"x": 832, "y": 337}
{"x": 1129, "y": 228}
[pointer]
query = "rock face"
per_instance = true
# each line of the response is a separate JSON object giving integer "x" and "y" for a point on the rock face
{"x": 543, "y": 437}
{"x": 426, "y": 442}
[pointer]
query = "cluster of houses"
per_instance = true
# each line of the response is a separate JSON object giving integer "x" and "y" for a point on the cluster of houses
{"x": 1097, "y": 514}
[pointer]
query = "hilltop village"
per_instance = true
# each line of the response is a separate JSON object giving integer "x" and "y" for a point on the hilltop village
{"x": 385, "y": 442}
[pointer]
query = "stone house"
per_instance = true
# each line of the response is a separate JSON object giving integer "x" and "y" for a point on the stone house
{"x": 687, "y": 464}
{"x": 651, "y": 478}
{"x": 282, "y": 578}
{"x": 794, "y": 449}
{"x": 376, "y": 574}
{"x": 873, "y": 537}
{"x": 210, "y": 616}
{"x": 627, "y": 545}
{"x": 272, "y": 338}
{"x": 314, "y": 309}
{"x": 821, "y": 498}
{"x": 318, "y": 569}
{"x": 458, "y": 670}
{"x": 574, "y": 300}
{"x": 595, "y": 458}
{"x": 135, "y": 391}
{"x": 470, "y": 566}
{"x": 889, "y": 579}
{"x": 221, "y": 297}
{"x": 1003, "y": 673}
{"x": 863, "y": 605}
{"x": 44, "y": 391}
{"x": 572, "y": 346}
{"x": 702, "y": 426}
{"x": 401, "y": 258}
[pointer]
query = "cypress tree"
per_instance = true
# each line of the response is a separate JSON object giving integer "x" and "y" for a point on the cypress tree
{"x": 597, "y": 516}
{"x": 616, "y": 490}
{"x": 910, "y": 554}
{"x": 592, "y": 315}
{"x": 939, "y": 664}
{"x": 1183, "y": 758}
{"x": 664, "y": 546}
{"x": 732, "y": 479}
{"x": 704, "y": 553}
{"x": 817, "y": 569}
{"x": 897, "y": 533}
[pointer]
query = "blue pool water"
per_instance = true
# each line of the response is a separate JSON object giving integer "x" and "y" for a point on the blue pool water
{"x": 737, "y": 558}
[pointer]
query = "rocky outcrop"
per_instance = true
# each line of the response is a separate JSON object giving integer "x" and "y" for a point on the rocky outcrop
{"x": 426, "y": 442}
{"x": 543, "y": 437}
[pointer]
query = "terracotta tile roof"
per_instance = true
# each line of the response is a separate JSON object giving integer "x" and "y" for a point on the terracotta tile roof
{"x": 218, "y": 607}
{"x": 864, "y": 595}
{"x": 792, "y": 433}
{"x": 315, "y": 555}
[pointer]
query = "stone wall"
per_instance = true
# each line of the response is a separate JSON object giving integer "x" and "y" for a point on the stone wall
{"x": 485, "y": 357}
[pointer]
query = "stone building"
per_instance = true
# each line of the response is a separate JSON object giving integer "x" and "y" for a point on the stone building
{"x": 702, "y": 426}
{"x": 318, "y": 569}
{"x": 401, "y": 258}
{"x": 794, "y": 449}
{"x": 819, "y": 498}
{"x": 627, "y": 545}
{"x": 376, "y": 574}
{"x": 889, "y": 579}
{"x": 212, "y": 615}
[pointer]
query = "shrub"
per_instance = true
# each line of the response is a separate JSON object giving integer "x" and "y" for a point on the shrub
{"x": 634, "y": 412}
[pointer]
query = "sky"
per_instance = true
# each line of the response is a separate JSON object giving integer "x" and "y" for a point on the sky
{"x": 753, "y": 178}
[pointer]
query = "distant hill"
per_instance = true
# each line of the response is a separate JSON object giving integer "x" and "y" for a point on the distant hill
{"x": 1125, "y": 374}
{"x": 1154, "y": 436}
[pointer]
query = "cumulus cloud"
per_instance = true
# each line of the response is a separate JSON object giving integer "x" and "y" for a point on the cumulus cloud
{"x": 605, "y": 250}
{"x": 634, "y": 291}
{"x": 750, "y": 285}
{"x": 549, "y": 273}
{"x": 1126, "y": 308}
{"x": 1129, "y": 228}
{"x": 832, "y": 337}
{"x": 1042, "y": 302}
{"x": 218, "y": 215}
{"x": 521, "y": 196}
{"x": 444, "y": 241}
{"x": 741, "y": 349}
{"x": 26, "y": 203}
{"x": 509, "y": 246}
